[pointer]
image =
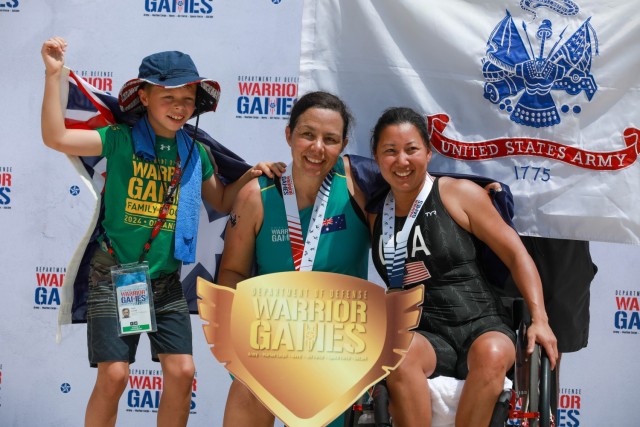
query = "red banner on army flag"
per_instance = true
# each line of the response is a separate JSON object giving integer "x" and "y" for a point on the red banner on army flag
{"x": 503, "y": 147}
{"x": 540, "y": 95}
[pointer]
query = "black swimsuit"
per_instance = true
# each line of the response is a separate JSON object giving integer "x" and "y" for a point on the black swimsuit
{"x": 459, "y": 305}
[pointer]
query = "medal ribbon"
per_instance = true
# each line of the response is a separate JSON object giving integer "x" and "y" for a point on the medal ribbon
{"x": 164, "y": 210}
{"x": 394, "y": 252}
{"x": 304, "y": 254}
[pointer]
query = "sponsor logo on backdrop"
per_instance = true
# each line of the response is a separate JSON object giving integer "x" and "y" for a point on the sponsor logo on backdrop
{"x": 569, "y": 406}
{"x": 48, "y": 283}
{"x": 145, "y": 388}
{"x": 6, "y": 182}
{"x": 537, "y": 74}
{"x": 9, "y": 6}
{"x": 100, "y": 79}
{"x": 178, "y": 8}
{"x": 626, "y": 319}
{"x": 266, "y": 97}
{"x": 65, "y": 388}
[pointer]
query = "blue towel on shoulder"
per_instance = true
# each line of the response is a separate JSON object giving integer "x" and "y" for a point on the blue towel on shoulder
{"x": 186, "y": 233}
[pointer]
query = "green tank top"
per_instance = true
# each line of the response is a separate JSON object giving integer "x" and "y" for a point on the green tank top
{"x": 344, "y": 242}
{"x": 133, "y": 195}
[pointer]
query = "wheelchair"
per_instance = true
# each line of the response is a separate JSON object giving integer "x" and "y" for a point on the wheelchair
{"x": 531, "y": 402}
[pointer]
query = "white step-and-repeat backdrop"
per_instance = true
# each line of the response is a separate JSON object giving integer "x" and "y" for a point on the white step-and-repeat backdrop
{"x": 252, "y": 48}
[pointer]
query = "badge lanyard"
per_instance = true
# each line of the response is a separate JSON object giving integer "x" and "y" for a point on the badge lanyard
{"x": 168, "y": 198}
{"x": 134, "y": 293}
{"x": 164, "y": 210}
{"x": 304, "y": 254}
{"x": 132, "y": 282}
{"x": 134, "y": 298}
{"x": 394, "y": 252}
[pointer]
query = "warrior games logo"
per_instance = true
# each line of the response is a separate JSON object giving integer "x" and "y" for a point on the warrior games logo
{"x": 626, "y": 319}
{"x": 49, "y": 280}
{"x": 569, "y": 405}
{"x": 145, "y": 389}
{"x": 100, "y": 79}
{"x": 178, "y": 8}
{"x": 519, "y": 78}
{"x": 266, "y": 97}
{"x": 9, "y": 6}
{"x": 6, "y": 179}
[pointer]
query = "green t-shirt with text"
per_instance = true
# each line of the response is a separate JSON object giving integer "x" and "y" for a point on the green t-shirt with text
{"x": 133, "y": 195}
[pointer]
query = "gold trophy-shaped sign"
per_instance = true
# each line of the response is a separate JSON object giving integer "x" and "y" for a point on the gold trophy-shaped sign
{"x": 308, "y": 344}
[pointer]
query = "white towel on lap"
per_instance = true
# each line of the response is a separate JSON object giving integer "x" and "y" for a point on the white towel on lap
{"x": 445, "y": 395}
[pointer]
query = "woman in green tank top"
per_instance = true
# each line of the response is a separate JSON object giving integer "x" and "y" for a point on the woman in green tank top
{"x": 258, "y": 225}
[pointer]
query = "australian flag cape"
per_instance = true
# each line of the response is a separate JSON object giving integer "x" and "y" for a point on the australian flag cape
{"x": 89, "y": 108}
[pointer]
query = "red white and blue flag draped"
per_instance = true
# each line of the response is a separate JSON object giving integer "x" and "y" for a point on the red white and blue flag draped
{"x": 91, "y": 108}
{"x": 87, "y": 107}
{"x": 540, "y": 94}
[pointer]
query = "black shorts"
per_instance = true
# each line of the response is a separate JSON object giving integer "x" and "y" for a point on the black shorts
{"x": 173, "y": 335}
{"x": 566, "y": 270}
{"x": 452, "y": 344}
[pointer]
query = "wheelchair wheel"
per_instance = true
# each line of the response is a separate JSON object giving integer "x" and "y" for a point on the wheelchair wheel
{"x": 534, "y": 396}
{"x": 521, "y": 368}
{"x": 540, "y": 388}
{"x": 381, "y": 405}
{"x": 533, "y": 392}
{"x": 545, "y": 391}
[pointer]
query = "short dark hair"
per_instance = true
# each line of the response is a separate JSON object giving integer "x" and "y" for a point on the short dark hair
{"x": 396, "y": 116}
{"x": 324, "y": 100}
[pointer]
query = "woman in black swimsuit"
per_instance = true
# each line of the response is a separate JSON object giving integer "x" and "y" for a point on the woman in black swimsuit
{"x": 429, "y": 226}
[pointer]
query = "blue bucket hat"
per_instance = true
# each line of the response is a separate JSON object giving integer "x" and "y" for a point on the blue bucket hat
{"x": 170, "y": 69}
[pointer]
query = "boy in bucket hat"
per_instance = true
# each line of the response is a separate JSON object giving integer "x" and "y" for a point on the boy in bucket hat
{"x": 156, "y": 178}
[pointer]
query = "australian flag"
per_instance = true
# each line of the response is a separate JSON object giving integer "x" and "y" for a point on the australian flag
{"x": 334, "y": 223}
